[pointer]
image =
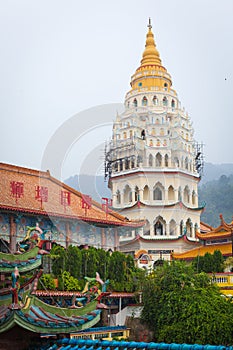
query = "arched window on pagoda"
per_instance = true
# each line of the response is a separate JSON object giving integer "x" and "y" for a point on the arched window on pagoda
{"x": 135, "y": 102}
{"x": 158, "y": 228}
{"x": 150, "y": 160}
{"x": 173, "y": 104}
{"x": 121, "y": 165}
{"x": 155, "y": 101}
{"x": 176, "y": 162}
{"x": 139, "y": 160}
{"x": 144, "y": 101}
{"x": 171, "y": 193}
{"x": 157, "y": 194}
{"x": 181, "y": 227}
{"x": 126, "y": 163}
{"x": 132, "y": 163}
{"x": 136, "y": 194}
{"x": 118, "y": 197}
{"x": 188, "y": 227}
{"x": 127, "y": 194}
{"x": 143, "y": 134}
{"x": 166, "y": 160}
{"x": 194, "y": 198}
{"x": 116, "y": 166}
{"x": 158, "y": 160}
{"x": 186, "y": 194}
{"x": 146, "y": 193}
{"x": 179, "y": 194}
{"x": 165, "y": 101}
{"x": 172, "y": 227}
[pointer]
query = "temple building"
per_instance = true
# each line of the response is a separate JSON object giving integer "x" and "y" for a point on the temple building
{"x": 154, "y": 164}
{"x": 211, "y": 239}
{"x": 33, "y": 204}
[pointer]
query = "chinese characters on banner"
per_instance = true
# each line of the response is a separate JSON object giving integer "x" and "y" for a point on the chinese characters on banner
{"x": 65, "y": 199}
{"x": 107, "y": 202}
{"x": 86, "y": 202}
{"x": 16, "y": 190}
{"x": 41, "y": 194}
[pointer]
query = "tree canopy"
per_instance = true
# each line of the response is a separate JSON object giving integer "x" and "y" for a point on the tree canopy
{"x": 184, "y": 307}
{"x": 78, "y": 263}
{"x": 209, "y": 262}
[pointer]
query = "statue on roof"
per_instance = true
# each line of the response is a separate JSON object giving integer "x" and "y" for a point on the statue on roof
{"x": 15, "y": 287}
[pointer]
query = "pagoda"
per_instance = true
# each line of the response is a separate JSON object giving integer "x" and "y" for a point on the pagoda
{"x": 154, "y": 164}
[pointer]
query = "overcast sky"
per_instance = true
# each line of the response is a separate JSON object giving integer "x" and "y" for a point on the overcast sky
{"x": 59, "y": 58}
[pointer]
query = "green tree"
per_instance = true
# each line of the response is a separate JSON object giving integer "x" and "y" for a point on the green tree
{"x": 73, "y": 261}
{"x": 218, "y": 261}
{"x": 59, "y": 257}
{"x": 46, "y": 282}
{"x": 68, "y": 282}
{"x": 103, "y": 258}
{"x": 89, "y": 262}
{"x": 183, "y": 307}
{"x": 209, "y": 262}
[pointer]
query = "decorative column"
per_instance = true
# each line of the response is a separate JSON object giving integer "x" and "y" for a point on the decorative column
{"x": 152, "y": 233}
{"x": 163, "y": 161}
{"x": 141, "y": 194}
{"x": 192, "y": 230}
{"x": 169, "y": 162}
{"x": 103, "y": 238}
{"x": 116, "y": 239}
{"x": 167, "y": 229}
{"x": 67, "y": 234}
{"x": 151, "y": 194}
{"x": 177, "y": 230}
{"x": 114, "y": 200}
{"x": 189, "y": 197}
{"x": 12, "y": 234}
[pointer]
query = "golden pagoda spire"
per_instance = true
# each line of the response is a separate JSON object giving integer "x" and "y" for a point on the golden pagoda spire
{"x": 150, "y": 55}
{"x": 150, "y": 75}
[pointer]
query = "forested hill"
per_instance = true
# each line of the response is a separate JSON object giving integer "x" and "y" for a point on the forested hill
{"x": 215, "y": 189}
{"x": 214, "y": 171}
{"x": 218, "y": 195}
{"x": 95, "y": 186}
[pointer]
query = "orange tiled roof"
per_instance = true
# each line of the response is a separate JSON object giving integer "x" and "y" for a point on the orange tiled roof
{"x": 205, "y": 227}
{"x": 53, "y": 207}
{"x": 224, "y": 230}
{"x": 225, "y": 249}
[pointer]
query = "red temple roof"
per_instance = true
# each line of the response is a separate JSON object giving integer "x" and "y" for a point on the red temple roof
{"x": 19, "y": 189}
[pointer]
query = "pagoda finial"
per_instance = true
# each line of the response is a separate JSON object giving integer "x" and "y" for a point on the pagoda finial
{"x": 150, "y": 55}
{"x": 149, "y": 25}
